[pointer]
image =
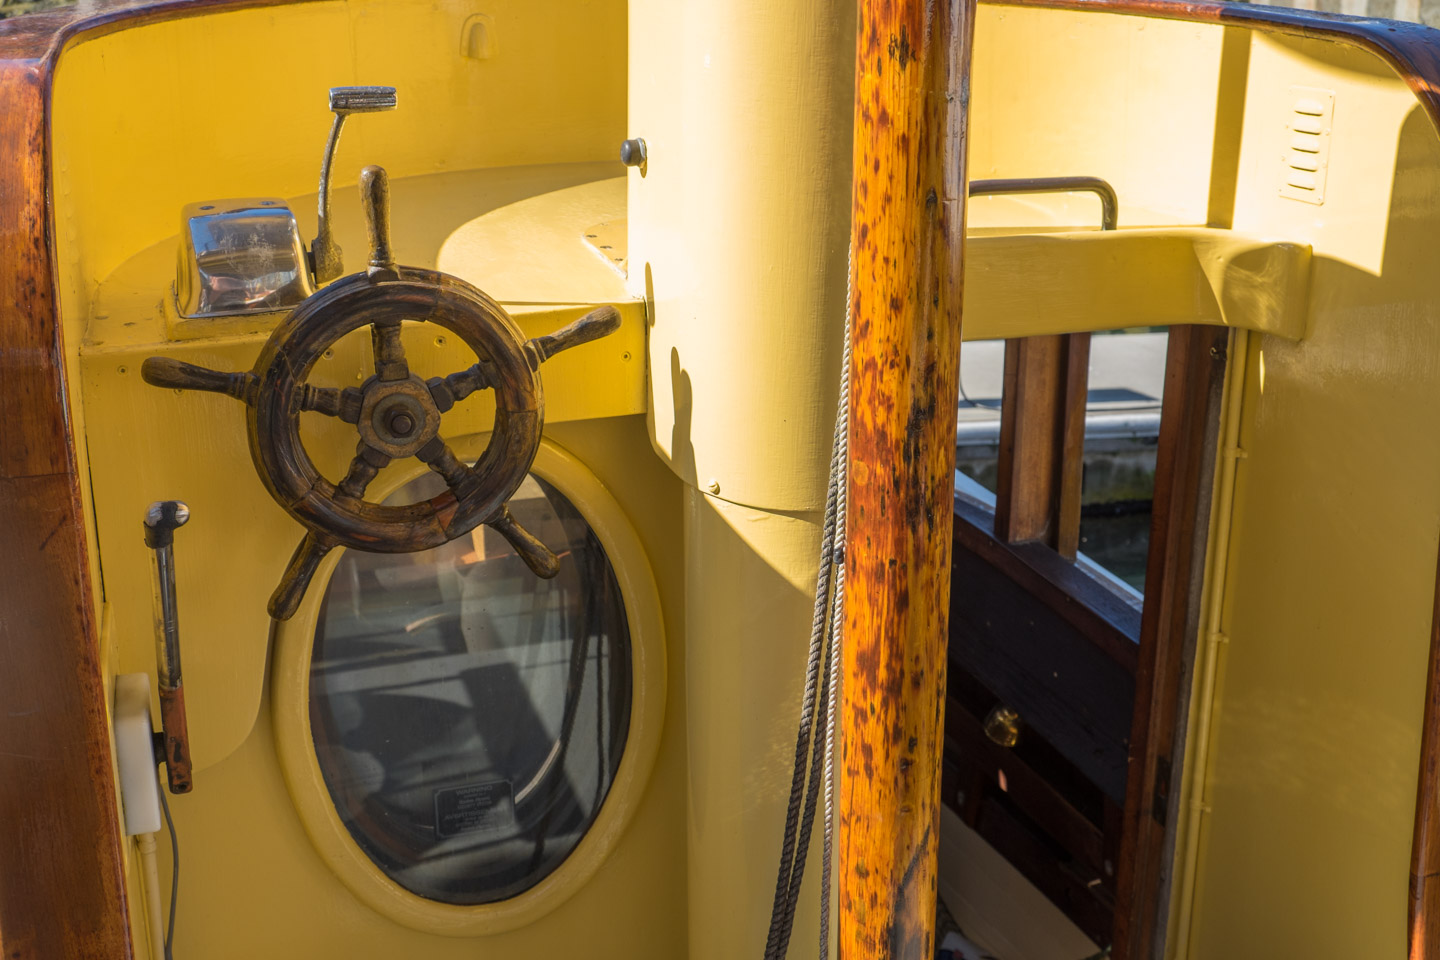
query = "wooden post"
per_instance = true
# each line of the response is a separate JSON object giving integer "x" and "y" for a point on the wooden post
{"x": 907, "y": 229}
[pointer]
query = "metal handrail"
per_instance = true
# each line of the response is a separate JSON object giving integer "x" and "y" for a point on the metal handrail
{"x": 1109, "y": 204}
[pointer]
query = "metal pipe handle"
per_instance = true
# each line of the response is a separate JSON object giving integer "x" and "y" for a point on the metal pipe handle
{"x": 162, "y": 519}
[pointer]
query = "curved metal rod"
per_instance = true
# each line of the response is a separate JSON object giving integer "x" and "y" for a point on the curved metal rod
{"x": 1109, "y": 204}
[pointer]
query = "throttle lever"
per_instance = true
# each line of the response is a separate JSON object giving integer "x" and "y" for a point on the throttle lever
{"x": 162, "y": 519}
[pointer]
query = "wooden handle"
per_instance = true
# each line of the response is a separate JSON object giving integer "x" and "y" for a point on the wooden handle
{"x": 375, "y": 196}
{"x": 598, "y": 323}
{"x": 177, "y": 738}
{"x": 179, "y": 375}
{"x": 538, "y": 557}
{"x": 296, "y": 579}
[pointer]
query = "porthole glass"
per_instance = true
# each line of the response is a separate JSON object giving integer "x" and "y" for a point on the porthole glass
{"x": 468, "y": 716}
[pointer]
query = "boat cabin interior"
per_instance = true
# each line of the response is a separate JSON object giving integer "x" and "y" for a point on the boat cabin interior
{"x": 520, "y": 674}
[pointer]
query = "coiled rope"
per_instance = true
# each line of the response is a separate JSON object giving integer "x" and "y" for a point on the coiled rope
{"x": 815, "y": 740}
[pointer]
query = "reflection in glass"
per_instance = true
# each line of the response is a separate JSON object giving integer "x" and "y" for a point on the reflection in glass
{"x": 468, "y": 716}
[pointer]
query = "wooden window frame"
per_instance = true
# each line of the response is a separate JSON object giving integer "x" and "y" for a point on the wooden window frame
{"x": 1061, "y": 621}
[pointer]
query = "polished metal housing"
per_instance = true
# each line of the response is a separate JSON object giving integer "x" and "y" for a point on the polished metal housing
{"x": 239, "y": 256}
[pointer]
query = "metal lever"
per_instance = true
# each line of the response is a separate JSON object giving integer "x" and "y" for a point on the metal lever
{"x": 162, "y": 519}
{"x": 325, "y": 255}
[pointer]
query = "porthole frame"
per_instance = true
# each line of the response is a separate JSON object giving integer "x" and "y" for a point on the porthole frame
{"x": 300, "y": 765}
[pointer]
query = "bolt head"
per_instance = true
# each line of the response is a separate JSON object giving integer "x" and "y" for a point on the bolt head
{"x": 402, "y": 425}
{"x": 632, "y": 152}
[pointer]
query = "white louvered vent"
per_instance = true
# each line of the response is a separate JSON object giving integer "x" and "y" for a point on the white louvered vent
{"x": 1306, "y": 151}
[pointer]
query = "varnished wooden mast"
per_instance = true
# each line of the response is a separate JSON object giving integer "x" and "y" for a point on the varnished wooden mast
{"x": 908, "y": 225}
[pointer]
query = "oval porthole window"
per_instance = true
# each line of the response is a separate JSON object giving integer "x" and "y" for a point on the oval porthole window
{"x": 469, "y": 717}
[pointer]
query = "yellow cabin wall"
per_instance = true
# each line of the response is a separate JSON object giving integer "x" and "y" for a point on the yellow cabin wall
{"x": 725, "y": 376}
{"x": 1330, "y": 577}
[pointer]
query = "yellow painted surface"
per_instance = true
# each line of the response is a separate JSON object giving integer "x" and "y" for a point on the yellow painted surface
{"x": 146, "y": 444}
{"x": 1331, "y": 570}
{"x": 738, "y": 235}
{"x": 1128, "y": 99}
{"x": 294, "y": 738}
{"x": 1066, "y": 282}
{"x": 707, "y": 417}
{"x": 747, "y": 626}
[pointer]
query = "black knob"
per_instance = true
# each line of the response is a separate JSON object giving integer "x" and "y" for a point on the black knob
{"x": 632, "y": 152}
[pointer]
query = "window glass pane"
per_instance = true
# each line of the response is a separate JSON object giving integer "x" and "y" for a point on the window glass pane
{"x": 977, "y": 430}
{"x": 1125, "y": 382}
{"x": 468, "y": 716}
{"x": 1122, "y": 428}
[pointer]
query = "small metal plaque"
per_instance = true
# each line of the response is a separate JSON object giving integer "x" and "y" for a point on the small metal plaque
{"x": 240, "y": 256}
{"x": 487, "y": 806}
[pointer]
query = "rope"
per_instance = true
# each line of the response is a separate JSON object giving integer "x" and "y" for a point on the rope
{"x": 837, "y": 622}
{"x": 814, "y": 752}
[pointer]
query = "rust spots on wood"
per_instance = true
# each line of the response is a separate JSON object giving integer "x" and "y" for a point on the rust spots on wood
{"x": 907, "y": 233}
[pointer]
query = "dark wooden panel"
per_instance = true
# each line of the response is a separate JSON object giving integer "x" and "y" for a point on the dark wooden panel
{"x": 1040, "y": 801}
{"x": 907, "y": 237}
{"x": 1025, "y": 848}
{"x": 1065, "y": 686}
{"x": 1184, "y": 473}
{"x": 1110, "y": 620}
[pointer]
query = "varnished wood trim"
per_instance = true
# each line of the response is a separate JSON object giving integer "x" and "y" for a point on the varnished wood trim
{"x": 1072, "y": 444}
{"x": 907, "y": 234}
{"x": 1184, "y": 472}
{"x": 1042, "y": 441}
{"x": 62, "y": 892}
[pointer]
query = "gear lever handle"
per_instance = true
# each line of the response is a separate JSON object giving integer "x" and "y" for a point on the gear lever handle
{"x": 162, "y": 519}
{"x": 325, "y": 255}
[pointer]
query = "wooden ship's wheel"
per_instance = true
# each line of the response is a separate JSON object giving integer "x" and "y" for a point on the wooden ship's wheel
{"x": 396, "y": 412}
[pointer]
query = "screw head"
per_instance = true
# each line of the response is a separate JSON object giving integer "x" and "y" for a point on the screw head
{"x": 632, "y": 152}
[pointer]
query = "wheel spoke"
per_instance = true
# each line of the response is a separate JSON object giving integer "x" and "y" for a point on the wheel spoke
{"x": 367, "y": 463}
{"x": 443, "y": 461}
{"x": 600, "y": 322}
{"x": 298, "y": 573}
{"x": 448, "y": 391}
{"x": 389, "y": 351}
{"x": 538, "y": 557}
{"x": 333, "y": 402}
{"x": 179, "y": 375}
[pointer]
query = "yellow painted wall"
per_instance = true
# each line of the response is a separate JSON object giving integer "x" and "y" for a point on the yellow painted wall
{"x": 1331, "y": 571}
{"x": 737, "y": 246}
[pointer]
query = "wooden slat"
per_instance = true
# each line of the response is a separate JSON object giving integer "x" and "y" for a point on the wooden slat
{"x": 1042, "y": 441}
{"x": 908, "y": 227}
{"x": 1072, "y": 444}
{"x": 1184, "y": 472}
